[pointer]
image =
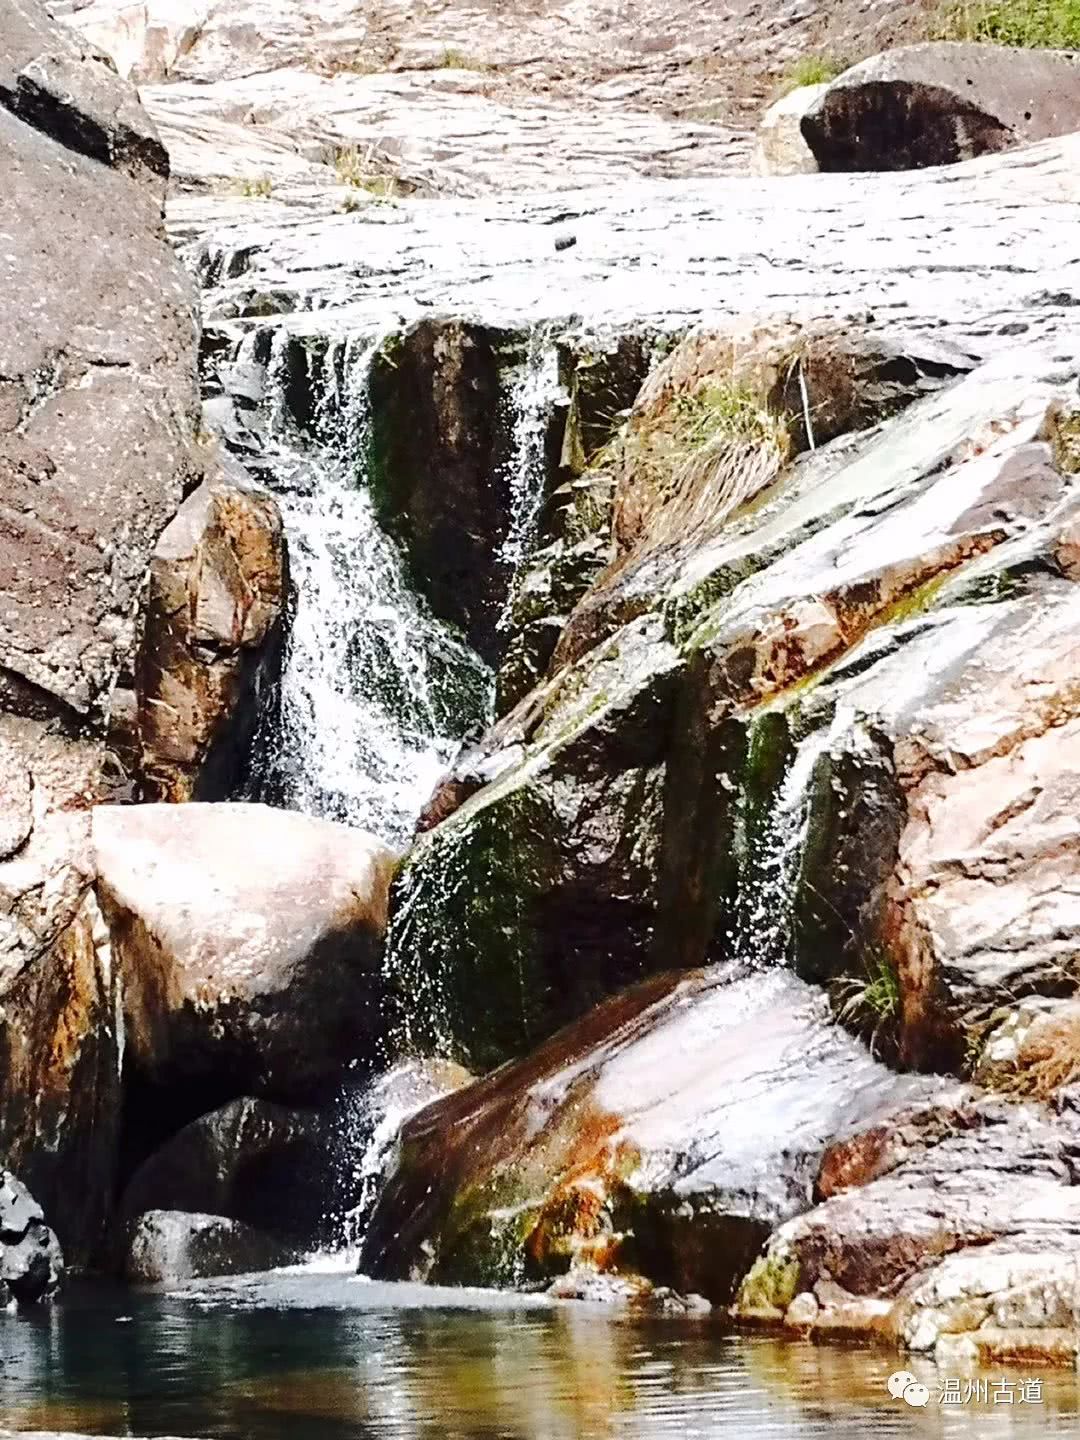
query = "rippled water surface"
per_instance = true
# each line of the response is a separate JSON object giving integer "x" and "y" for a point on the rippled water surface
{"x": 329, "y": 1357}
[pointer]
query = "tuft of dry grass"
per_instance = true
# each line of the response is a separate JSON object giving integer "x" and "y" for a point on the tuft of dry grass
{"x": 1049, "y": 1055}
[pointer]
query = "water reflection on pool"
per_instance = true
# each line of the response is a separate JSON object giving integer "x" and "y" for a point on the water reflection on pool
{"x": 330, "y": 1357}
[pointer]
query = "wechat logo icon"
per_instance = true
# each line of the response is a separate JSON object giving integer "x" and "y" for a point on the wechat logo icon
{"x": 904, "y": 1386}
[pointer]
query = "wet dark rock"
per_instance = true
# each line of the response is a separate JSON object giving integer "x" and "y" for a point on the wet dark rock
{"x": 210, "y": 649}
{"x": 167, "y": 1247}
{"x": 937, "y": 103}
{"x": 31, "y": 1265}
{"x": 539, "y": 892}
{"x": 634, "y": 1141}
{"x": 438, "y": 452}
{"x": 268, "y": 1166}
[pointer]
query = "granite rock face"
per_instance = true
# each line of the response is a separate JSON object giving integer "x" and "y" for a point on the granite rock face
{"x": 951, "y": 1229}
{"x": 31, "y": 1266}
{"x": 937, "y": 103}
{"x": 211, "y": 641}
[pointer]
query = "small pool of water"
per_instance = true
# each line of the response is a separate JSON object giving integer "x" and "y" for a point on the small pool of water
{"x": 301, "y": 1356}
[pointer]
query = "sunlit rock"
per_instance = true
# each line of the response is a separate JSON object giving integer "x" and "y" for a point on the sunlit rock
{"x": 781, "y": 147}
{"x": 249, "y": 942}
{"x": 936, "y": 103}
{"x": 210, "y": 646}
{"x": 958, "y": 1235}
{"x": 663, "y": 1136}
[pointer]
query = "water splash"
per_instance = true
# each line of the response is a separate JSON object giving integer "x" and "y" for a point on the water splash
{"x": 367, "y": 1127}
{"x": 534, "y": 392}
{"x": 763, "y": 934}
{"x": 375, "y": 691}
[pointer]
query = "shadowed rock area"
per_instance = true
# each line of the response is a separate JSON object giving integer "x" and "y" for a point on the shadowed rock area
{"x": 939, "y": 103}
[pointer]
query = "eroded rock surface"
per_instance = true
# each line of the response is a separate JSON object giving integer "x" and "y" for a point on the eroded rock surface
{"x": 248, "y": 940}
{"x": 663, "y": 1136}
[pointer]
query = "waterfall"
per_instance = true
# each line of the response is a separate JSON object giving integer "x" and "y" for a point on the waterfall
{"x": 534, "y": 391}
{"x": 763, "y": 931}
{"x": 375, "y": 691}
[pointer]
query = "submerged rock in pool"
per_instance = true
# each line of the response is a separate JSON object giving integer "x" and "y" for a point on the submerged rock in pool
{"x": 31, "y": 1265}
{"x": 664, "y": 1136}
{"x": 169, "y": 1245}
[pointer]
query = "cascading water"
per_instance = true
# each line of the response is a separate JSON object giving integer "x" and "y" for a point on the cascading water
{"x": 376, "y": 693}
{"x": 763, "y": 930}
{"x": 534, "y": 392}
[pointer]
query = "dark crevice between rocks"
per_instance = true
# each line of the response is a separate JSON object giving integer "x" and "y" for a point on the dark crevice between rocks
{"x": 117, "y": 146}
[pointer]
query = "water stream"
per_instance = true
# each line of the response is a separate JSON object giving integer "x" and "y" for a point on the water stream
{"x": 762, "y": 932}
{"x": 376, "y": 692}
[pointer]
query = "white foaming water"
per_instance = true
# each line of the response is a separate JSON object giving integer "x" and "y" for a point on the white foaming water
{"x": 535, "y": 391}
{"x": 763, "y": 934}
{"x": 369, "y": 1134}
{"x": 375, "y": 692}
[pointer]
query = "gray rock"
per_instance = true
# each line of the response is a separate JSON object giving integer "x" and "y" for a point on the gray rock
{"x": 69, "y": 90}
{"x": 167, "y": 1247}
{"x": 31, "y": 1265}
{"x": 937, "y": 103}
{"x": 249, "y": 940}
{"x": 663, "y": 1135}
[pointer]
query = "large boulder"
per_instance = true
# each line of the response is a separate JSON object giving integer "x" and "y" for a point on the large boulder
{"x": 662, "y": 1137}
{"x": 167, "y": 1247}
{"x": 249, "y": 942}
{"x": 210, "y": 649}
{"x": 31, "y": 1266}
{"x": 940, "y": 102}
{"x": 99, "y": 442}
{"x": 951, "y": 1228}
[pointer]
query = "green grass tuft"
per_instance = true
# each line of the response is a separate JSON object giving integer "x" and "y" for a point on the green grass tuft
{"x": 812, "y": 70}
{"x": 870, "y": 1003}
{"x": 259, "y": 187}
{"x": 1027, "y": 24}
